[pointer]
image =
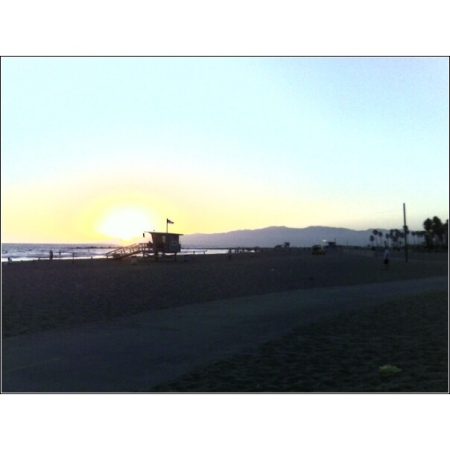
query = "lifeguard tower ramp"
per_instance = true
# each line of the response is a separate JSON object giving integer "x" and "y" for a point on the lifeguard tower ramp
{"x": 130, "y": 250}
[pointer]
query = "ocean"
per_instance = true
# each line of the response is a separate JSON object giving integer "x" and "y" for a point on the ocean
{"x": 30, "y": 252}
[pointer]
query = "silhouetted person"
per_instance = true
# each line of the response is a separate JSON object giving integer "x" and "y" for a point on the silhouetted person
{"x": 51, "y": 255}
{"x": 386, "y": 258}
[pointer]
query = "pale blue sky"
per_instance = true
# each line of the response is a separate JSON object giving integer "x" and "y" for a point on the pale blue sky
{"x": 218, "y": 144}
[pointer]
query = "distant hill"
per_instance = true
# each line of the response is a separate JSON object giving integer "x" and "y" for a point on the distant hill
{"x": 271, "y": 236}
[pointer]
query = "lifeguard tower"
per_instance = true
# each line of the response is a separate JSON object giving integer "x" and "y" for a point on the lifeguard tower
{"x": 166, "y": 244}
{"x": 162, "y": 244}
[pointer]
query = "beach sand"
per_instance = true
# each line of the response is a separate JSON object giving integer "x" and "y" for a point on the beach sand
{"x": 348, "y": 353}
{"x": 57, "y": 294}
{"x": 340, "y": 355}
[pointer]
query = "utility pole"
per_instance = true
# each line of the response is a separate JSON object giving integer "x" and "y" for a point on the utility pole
{"x": 405, "y": 229}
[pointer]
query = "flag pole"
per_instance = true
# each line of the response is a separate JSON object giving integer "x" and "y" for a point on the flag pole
{"x": 167, "y": 225}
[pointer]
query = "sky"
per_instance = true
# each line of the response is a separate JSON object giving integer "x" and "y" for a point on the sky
{"x": 98, "y": 149}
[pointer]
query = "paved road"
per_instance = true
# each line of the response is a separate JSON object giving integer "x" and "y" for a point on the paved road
{"x": 135, "y": 353}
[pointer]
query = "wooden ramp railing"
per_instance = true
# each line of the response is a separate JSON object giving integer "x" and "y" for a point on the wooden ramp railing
{"x": 123, "y": 252}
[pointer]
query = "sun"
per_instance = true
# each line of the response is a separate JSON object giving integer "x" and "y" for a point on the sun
{"x": 125, "y": 223}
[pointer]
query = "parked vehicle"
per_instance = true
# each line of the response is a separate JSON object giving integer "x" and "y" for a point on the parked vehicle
{"x": 318, "y": 250}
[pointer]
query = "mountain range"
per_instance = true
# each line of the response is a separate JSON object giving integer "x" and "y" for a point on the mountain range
{"x": 272, "y": 236}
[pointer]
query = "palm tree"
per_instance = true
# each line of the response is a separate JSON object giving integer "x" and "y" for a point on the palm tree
{"x": 428, "y": 226}
{"x": 391, "y": 236}
{"x": 397, "y": 237}
{"x": 438, "y": 229}
{"x": 446, "y": 233}
{"x": 375, "y": 233}
{"x": 371, "y": 239}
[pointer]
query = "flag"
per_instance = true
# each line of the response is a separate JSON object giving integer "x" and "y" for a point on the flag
{"x": 169, "y": 221}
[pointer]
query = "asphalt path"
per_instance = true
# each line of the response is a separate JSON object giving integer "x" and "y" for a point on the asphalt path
{"x": 134, "y": 353}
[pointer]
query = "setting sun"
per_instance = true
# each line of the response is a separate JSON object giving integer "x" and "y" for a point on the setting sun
{"x": 125, "y": 223}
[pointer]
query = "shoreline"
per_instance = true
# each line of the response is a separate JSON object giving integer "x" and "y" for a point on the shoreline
{"x": 415, "y": 255}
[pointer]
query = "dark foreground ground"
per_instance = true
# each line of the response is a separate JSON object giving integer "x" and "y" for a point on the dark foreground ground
{"x": 344, "y": 354}
{"x": 58, "y": 294}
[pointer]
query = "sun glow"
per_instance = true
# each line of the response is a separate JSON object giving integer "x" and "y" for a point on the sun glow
{"x": 125, "y": 223}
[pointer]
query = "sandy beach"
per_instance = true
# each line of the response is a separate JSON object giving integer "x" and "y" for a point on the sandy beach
{"x": 53, "y": 294}
{"x": 394, "y": 347}
{"x": 340, "y": 355}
